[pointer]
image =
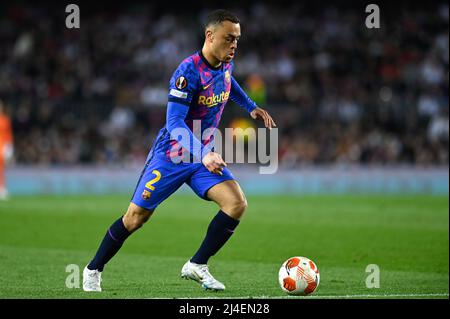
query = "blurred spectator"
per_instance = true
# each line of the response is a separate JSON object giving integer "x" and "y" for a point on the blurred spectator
{"x": 256, "y": 89}
{"x": 6, "y": 148}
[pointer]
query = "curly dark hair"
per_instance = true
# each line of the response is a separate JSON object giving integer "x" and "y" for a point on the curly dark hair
{"x": 218, "y": 16}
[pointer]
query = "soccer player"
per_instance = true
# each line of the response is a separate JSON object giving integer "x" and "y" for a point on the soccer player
{"x": 6, "y": 148}
{"x": 198, "y": 90}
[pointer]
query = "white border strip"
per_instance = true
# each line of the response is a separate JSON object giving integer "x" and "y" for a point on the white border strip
{"x": 322, "y": 297}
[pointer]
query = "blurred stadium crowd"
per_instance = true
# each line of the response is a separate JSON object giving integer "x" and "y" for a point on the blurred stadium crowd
{"x": 340, "y": 93}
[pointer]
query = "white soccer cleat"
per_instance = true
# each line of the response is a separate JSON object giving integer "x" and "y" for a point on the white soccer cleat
{"x": 91, "y": 280}
{"x": 200, "y": 273}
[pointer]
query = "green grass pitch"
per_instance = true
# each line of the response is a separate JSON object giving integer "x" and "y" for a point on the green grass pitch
{"x": 406, "y": 236}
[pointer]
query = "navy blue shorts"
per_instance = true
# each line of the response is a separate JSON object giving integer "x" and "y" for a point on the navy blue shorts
{"x": 160, "y": 178}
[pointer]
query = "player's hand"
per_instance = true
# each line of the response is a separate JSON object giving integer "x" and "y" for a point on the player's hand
{"x": 263, "y": 115}
{"x": 214, "y": 163}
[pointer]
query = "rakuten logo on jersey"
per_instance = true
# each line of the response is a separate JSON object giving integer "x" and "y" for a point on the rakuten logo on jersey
{"x": 211, "y": 101}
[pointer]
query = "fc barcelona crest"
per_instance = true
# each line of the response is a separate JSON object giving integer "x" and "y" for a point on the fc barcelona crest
{"x": 227, "y": 76}
{"x": 146, "y": 194}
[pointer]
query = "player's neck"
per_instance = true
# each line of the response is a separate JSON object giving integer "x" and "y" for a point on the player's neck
{"x": 213, "y": 61}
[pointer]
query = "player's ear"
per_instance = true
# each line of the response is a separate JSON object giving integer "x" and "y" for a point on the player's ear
{"x": 209, "y": 36}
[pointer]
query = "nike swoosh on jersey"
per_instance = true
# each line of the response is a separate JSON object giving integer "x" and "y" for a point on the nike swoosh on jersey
{"x": 207, "y": 86}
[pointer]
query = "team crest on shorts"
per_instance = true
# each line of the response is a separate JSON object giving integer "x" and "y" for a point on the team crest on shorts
{"x": 146, "y": 194}
{"x": 181, "y": 82}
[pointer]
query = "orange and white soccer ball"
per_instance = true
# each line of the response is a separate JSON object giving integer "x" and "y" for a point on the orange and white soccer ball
{"x": 299, "y": 276}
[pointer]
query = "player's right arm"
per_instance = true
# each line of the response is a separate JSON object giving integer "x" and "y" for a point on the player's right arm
{"x": 183, "y": 86}
{"x": 176, "y": 114}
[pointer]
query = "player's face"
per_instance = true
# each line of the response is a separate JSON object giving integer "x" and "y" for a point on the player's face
{"x": 224, "y": 41}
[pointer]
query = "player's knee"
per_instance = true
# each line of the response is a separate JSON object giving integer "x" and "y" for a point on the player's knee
{"x": 136, "y": 217}
{"x": 242, "y": 206}
{"x": 236, "y": 208}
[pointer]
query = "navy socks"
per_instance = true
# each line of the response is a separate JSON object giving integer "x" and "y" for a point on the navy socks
{"x": 110, "y": 245}
{"x": 219, "y": 231}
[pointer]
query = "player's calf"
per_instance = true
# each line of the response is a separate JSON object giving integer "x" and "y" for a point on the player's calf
{"x": 113, "y": 240}
{"x": 233, "y": 204}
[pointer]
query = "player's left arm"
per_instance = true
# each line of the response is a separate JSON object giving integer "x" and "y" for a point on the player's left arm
{"x": 238, "y": 96}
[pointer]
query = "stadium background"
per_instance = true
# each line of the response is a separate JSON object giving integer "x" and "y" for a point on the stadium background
{"x": 359, "y": 111}
{"x": 342, "y": 94}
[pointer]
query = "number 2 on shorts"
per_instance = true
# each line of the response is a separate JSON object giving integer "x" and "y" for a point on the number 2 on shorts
{"x": 149, "y": 184}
